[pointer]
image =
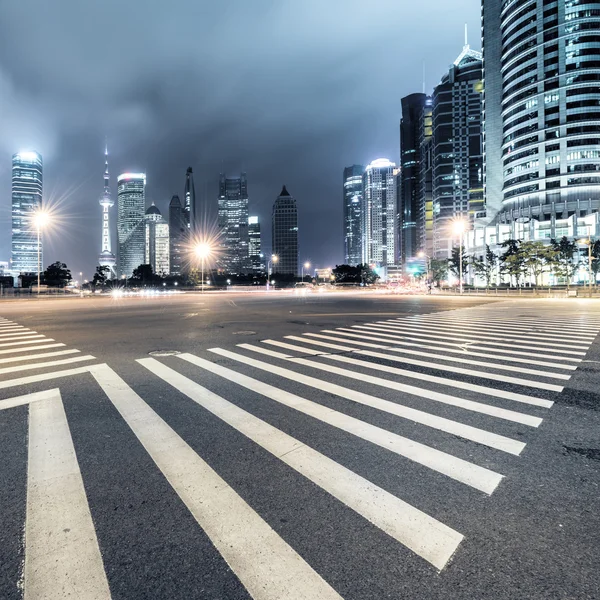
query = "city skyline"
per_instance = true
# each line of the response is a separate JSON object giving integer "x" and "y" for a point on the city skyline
{"x": 276, "y": 133}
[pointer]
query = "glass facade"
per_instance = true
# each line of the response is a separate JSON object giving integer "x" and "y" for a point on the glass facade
{"x": 353, "y": 208}
{"x": 233, "y": 223}
{"x": 131, "y": 200}
{"x": 157, "y": 242}
{"x": 178, "y": 235}
{"x": 285, "y": 234}
{"x": 27, "y": 185}
{"x": 254, "y": 245}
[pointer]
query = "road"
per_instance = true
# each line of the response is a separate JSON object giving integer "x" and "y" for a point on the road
{"x": 273, "y": 446}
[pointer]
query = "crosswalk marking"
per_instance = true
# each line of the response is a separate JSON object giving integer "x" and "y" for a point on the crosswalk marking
{"x": 516, "y": 323}
{"x": 62, "y": 557}
{"x": 43, "y": 365}
{"x": 8, "y": 383}
{"x": 463, "y": 352}
{"x": 433, "y": 332}
{"x": 426, "y": 536}
{"x": 4, "y": 331}
{"x": 30, "y": 348}
{"x": 472, "y": 475}
{"x": 25, "y": 332}
{"x": 27, "y": 399}
{"x": 21, "y": 342}
{"x": 265, "y": 564}
{"x": 36, "y": 356}
{"x": 468, "y": 432}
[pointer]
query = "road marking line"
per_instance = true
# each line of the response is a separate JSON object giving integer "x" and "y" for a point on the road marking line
{"x": 36, "y": 356}
{"x": 264, "y": 563}
{"x": 62, "y": 557}
{"x": 481, "y": 343}
{"x": 424, "y": 535}
{"x": 30, "y": 348}
{"x": 43, "y": 365}
{"x": 29, "y": 340}
{"x": 456, "y": 468}
{"x": 517, "y": 323}
{"x": 291, "y": 347}
{"x": 323, "y": 344}
{"x": 463, "y": 338}
{"x": 27, "y": 399}
{"x": 393, "y": 339}
{"x": 17, "y": 333}
{"x": 42, "y": 377}
{"x": 467, "y": 432}
{"x": 4, "y": 329}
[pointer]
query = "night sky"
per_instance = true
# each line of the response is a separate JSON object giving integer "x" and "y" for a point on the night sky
{"x": 290, "y": 91}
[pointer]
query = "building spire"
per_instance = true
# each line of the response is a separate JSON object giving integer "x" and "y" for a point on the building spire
{"x": 106, "y": 175}
{"x": 466, "y": 35}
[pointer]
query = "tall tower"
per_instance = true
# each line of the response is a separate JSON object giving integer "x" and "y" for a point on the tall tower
{"x": 353, "y": 208}
{"x": 131, "y": 196}
{"x": 189, "y": 201}
{"x": 285, "y": 234}
{"x": 177, "y": 237}
{"x": 26, "y": 200}
{"x": 106, "y": 258}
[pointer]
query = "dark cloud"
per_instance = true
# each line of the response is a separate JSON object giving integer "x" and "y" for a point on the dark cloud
{"x": 290, "y": 92}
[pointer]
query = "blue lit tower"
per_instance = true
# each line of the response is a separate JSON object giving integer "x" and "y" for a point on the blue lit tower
{"x": 106, "y": 258}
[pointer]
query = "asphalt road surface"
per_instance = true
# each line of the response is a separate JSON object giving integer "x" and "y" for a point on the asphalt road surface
{"x": 274, "y": 446}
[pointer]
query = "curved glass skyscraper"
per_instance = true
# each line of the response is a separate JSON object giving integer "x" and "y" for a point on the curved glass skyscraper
{"x": 131, "y": 197}
{"x": 542, "y": 110}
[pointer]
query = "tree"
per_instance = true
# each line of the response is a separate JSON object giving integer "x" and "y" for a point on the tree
{"x": 100, "y": 276}
{"x": 143, "y": 273}
{"x": 485, "y": 267}
{"x": 57, "y": 275}
{"x": 351, "y": 274}
{"x": 563, "y": 259}
{"x": 595, "y": 260}
{"x": 454, "y": 262}
{"x": 536, "y": 257}
{"x": 511, "y": 260}
{"x": 439, "y": 270}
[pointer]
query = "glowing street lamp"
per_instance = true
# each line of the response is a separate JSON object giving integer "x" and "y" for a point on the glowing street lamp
{"x": 274, "y": 259}
{"x": 203, "y": 251}
{"x": 459, "y": 228}
{"x": 40, "y": 219}
{"x": 306, "y": 265}
{"x": 422, "y": 254}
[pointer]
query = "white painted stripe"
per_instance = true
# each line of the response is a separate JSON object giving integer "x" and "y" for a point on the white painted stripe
{"x": 463, "y": 360}
{"x": 517, "y": 323}
{"x": 464, "y": 351}
{"x": 468, "y": 432}
{"x": 291, "y": 347}
{"x": 424, "y": 535}
{"x": 43, "y": 365}
{"x": 16, "y": 333}
{"x": 6, "y": 328}
{"x": 324, "y": 344}
{"x": 460, "y": 470}
{"x": 497, "y": 393}
{"x": 42, "y": 377}
{"x": 398, "y": 340}
{"x": 62, "y": 557}
{"x": 12, "y": 341}
{"x": 479, "y": 407}
{"x": 481, "y": 343}
{"x": 265, "y": 564}
{"x": 30, "y": 348}
{"x": 36, "y": 356}
{"x": 27, "y": 399}
{"x": 436, "y": 333}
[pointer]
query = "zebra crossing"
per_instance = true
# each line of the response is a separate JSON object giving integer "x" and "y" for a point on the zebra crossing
{"x": 407, "y": 387}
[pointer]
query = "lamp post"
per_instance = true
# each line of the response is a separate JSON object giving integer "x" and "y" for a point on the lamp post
{"x": 459, "y": 229}
{"x": 274, "y": 258}
{"x": 40, "y": 218}
{"x": 422, "y": 254}
{"x": 589, "y": 243}
{"x": 306, "y": 265}
{"x": 203, "y": 251}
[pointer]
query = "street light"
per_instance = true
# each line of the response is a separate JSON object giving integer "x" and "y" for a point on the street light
{"x": 40, "y": 219}
{"x": 203, "y": 251}
{"x": 588, "y": 242}
{"x": 422, "y": 254}
{"x": 459, "y": 228}
{"x": 306, "y": 265}
{"x": 274, "y": 259}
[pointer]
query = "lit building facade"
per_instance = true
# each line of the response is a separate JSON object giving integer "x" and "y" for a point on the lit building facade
{"x": 425, "y": 191}
{"x": 353, "y": 210}
{"x": 233, "y": 223}
{"x": 254, "y": 245}
{"x": 131, "y": 200}
{"x": 27, "y": 187}
{"x": 189, "y": 202}
{"x": 156, "y": 241}
{"x": 541, "y": 111}
{"x": 285, "y": 234}
{"x": 106, "y": 258}
{"x": 379, "y": 221}
{"x": 178, "y": 236}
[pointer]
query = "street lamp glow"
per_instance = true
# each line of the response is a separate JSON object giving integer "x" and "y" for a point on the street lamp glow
{"x": 41, "y": 219}
{"x": 459, "y": 226}
{"x": 274, "y": 258}
{"x": 203, "y": 250}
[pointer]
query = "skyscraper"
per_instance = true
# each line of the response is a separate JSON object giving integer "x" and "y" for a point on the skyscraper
{"x": 379, "y": 222}
{"x": 178, "y": 235}
{"x": 285, "y": 234}
{"x": 27, "y": 186}
{"x": 106, "y": 257}
{"x": 189, "y": 206}
{"x": 233, "y": 223}
{"x": 131, "y": 197}
{"x": 425, "y": 192}
{"x": 541, "y": 110}
{"x": 457, "y": 153}
{"x": 254, "y": 245}
{"x": 157, "y": 241}
{"x": 353, "y": 210}
{"x": 410, "y": 154}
